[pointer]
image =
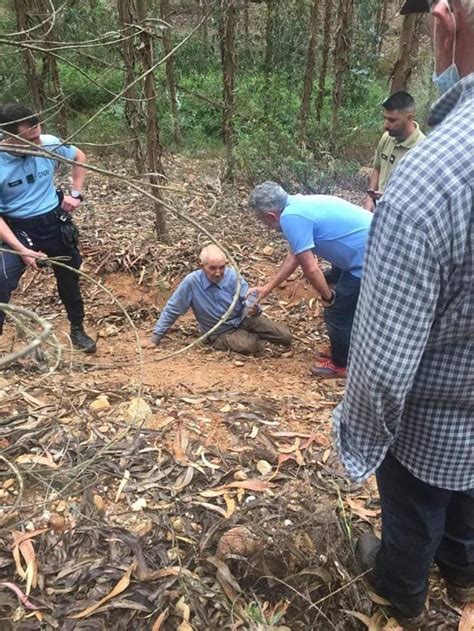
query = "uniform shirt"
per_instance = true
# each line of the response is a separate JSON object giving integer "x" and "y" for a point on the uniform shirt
{"x": 208, "y": 301}
{"x": 332, "y": 228}
{"x": 411, "y": 368}
{"x": 26, "y": 182}
{"x": 390, "y": 151}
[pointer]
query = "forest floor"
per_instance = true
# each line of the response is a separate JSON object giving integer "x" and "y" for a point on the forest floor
{"x": 142, "y": 490}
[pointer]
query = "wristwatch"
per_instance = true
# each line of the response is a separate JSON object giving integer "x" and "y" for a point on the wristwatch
{"x": 77, "y": 195}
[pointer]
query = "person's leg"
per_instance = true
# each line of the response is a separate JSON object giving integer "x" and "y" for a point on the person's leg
{"x": 266, "y": 329}
{"x": 11, "y": 270}
{"x": 340, "y": 316}
{"x": 413, "y": 522}
{"x": 49, "y": 240}
{"x": 239, "y": 341}
{"x": 455, "y": 555}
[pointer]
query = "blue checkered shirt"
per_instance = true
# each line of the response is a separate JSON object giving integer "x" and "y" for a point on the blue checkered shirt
{"x": 410, "y": 388}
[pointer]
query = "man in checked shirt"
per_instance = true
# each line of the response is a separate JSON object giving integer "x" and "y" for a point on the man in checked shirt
{"x": 408, "y": 411}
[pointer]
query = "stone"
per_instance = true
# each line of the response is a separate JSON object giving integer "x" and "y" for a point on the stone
{"x": 138, "y": 411}
{"x": 100, "y": 404}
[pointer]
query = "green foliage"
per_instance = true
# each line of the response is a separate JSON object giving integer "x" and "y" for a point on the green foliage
{"x": 267, "y": 137}
{"x": 89, "y": 90}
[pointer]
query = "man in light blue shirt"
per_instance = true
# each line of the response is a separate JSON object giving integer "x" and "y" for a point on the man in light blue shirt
{"x": 333, "y": 229}
{"x": 209, "y": 292}
{"x": 30, "y": 206}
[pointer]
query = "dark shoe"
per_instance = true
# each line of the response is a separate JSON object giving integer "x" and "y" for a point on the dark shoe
{"x": 461, "y": 592}
{"x": 81, "y": 340}
{"x": 367, "y": 547}
{"x": 324, "y": 353}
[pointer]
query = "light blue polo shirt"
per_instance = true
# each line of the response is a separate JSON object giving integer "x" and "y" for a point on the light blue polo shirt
{"x": 332, "y": 228}
{"x": 27, "y": 182}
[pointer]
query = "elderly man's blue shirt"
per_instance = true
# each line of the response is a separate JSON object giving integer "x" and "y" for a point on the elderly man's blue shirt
{"x": 26, "y": 182}
{"x": 332, "y": 228}
{"x": 208, "y": 301}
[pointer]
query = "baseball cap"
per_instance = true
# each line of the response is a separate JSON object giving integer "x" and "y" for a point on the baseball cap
{"x": 415, "y": 6}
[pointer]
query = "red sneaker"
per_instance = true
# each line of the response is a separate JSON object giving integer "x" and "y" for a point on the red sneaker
{"x": 327, "y": 369}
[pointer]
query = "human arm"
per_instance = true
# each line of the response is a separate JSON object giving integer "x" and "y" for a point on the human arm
{"x": 397, "y": 306}
{"x": 29, "y": 256}
{"x": 176, "y": 306}
{"x": 285, "y": 270}
{"x": 313, "y": 273}
{"x": 78, "y": 173}
{"x": 370, "y": 198}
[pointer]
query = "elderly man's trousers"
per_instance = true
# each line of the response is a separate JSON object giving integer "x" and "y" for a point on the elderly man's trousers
{"x": 250, "y": 337}
{"x": 421, "y": 524}
{"x": 43, "y": 233}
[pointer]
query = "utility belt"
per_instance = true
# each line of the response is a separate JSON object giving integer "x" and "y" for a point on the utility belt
{"x": 69, "y": 230}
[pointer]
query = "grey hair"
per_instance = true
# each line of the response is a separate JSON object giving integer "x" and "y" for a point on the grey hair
{"x": 211, "y": 252}
{"x": 268, "y": 197}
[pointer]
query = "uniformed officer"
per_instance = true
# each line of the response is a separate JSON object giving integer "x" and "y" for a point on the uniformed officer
{"x": 402, "y": 133}
{"x": 30, "y": 206}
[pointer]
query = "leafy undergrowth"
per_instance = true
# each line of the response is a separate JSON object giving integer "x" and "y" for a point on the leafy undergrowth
{"x": 177, "y": 492}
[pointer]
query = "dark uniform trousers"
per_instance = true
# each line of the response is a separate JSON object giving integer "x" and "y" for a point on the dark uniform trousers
{"x": 43, "y": 233}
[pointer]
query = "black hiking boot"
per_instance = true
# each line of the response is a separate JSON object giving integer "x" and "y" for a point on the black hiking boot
{"x": 462, "y": 592}
{"x": 366, "y": 550}
{"x": 81, "y": 340}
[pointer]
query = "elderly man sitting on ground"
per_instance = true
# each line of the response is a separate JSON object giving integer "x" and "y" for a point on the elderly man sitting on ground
{"x": 209, "y": 292}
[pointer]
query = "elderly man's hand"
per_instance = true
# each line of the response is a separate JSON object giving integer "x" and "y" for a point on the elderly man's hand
{"x": 152, "y": 342}
{"x": 260, "y": 292}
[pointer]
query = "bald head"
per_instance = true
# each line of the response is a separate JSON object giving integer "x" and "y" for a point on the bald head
{"x": 213, "y": 262}
{"x": 212, "y": 253}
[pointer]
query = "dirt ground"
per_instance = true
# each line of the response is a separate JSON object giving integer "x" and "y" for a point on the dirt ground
{"x": 203, "y": 483}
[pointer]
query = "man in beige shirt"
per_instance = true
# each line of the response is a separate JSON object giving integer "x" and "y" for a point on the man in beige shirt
{"x": 402, "y": 133}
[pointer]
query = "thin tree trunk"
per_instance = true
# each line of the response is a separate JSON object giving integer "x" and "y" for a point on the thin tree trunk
{"x": 247, "y": 25}
{"x": 402, "y": 70}
{"x": 50, "y": 64}
{"x": 154, "y": 150}
{"x": 205, "y": 27}
{"x": 227, "y": 42}
{"x": 309, "y": 73}
{"x": 170, "y": 71}
{"x": 325, "y": 59}
{"x": 132, "y": 110}
{"x": 268, "y": 64}
{"x": 382, "y": 25}
{"x": 341, "y": 59}
{"x": 23, "y": 11}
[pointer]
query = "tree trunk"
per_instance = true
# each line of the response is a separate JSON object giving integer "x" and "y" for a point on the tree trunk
{"x": 170, "y": 72}
{"x": 154, "y": 150}
{"x": 382, "y": 25}
{"x": 341, "y": 59}
{"x": 247, "y": 25}
{"x": 268, "y": 63}
{"x": 132, "y": 109}
{"x": 227, "y": 44}
{"x": 309, "y": 73}
{"x": 402, "y": 70}
{"x": 325, "y": 59}
{"x": 50, "y": 64}
{"x": 205, "y": 27}
{"x": 23, "y": 17}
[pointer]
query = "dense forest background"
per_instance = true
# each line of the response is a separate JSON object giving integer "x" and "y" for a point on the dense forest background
{"x": 290, "y": 90}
